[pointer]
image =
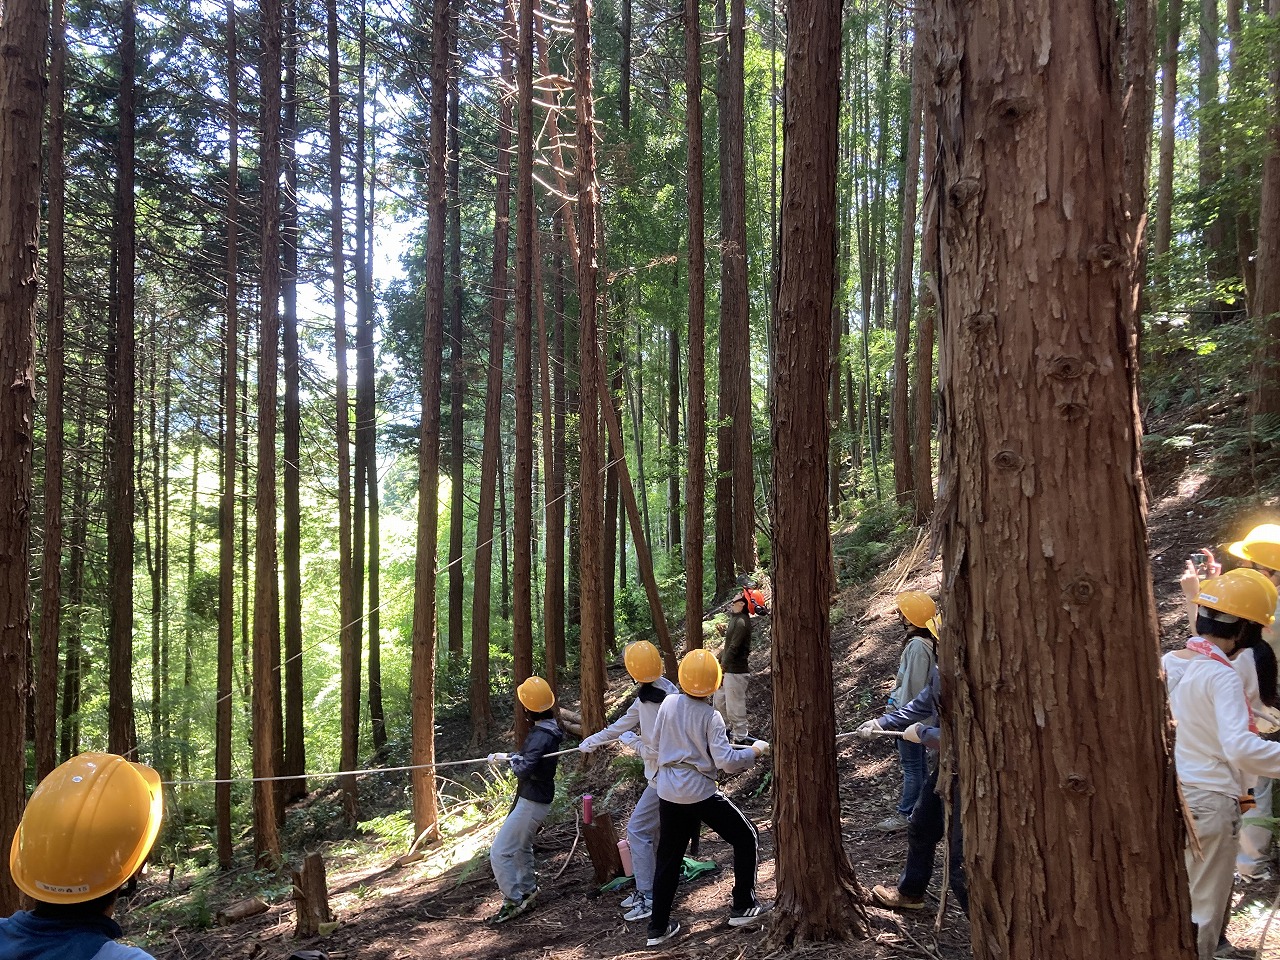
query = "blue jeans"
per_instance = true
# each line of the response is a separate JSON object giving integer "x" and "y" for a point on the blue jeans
{"x": 512, "y": 853}
{"x": 915, "y": 770}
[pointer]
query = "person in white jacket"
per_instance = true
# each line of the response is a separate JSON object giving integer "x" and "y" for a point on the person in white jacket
{"x": 1217, "y": 751}
{"x": 644, "y": 663}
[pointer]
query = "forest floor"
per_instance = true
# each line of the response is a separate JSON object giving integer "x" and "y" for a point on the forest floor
{"x": 396, "y": 913}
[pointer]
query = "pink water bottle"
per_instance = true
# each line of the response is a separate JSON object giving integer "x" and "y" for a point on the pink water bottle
{"x": 624, "y": 851}
{"x": 586, "y": 808}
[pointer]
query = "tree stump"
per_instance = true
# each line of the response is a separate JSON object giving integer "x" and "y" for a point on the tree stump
{"x": 311, "y": 893}
{"x": 602, "y": 847}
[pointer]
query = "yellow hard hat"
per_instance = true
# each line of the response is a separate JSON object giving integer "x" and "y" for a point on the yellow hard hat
{"x": 700, "y": 673}
{"x": 535, "y": 693}
{"x": 1261, "y": 545}
{"x": 87, "y": 829}
{"x": 917, "y": 606}
{"x": 1240, "y": 593}
{"x": 643, "y": 661}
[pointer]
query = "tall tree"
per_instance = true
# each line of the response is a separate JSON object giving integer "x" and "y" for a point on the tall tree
{"x": 295, "y": 762}
{"x": 1237, "y": 146}
{"x": 24, "y": 34}
{"x": 591, "y": 520}
{"x": 522, "y": 476}
{"x": 266, "y": 601}
{"x": 1044, "y": 530}
{"x": 122, "y": 737}
{"x": 227, "y": 503}
{"x": 674, "y": 534}
{"x": 423, "y": 668}
{"x": 922, "y": 375}
{"x": 457, "y": 385}
{"x": 1168, "y": 130}
{"x": 806, "y": 821}
{"x": 1209, "y": 145}
{"x": 348, "y": 641}
{"x": 903, "y": 471}
{"x": 696, "y": 421}
{"x": 1266, "y": 399}
{"x": 481, "y": 708}
{"x": 55, "y": 375}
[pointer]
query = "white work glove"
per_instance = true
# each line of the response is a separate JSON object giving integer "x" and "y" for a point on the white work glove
{"x": 868, "y": 729}
{"x": 761, "y": 748}
{"x": 630, "y": 739}
{"x": 913, "y": 732}
{"x": 585, "y": 747}
{"x": 498, "y": 757}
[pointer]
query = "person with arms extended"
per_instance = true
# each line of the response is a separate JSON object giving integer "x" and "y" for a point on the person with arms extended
{"x": 83, "y": 839}
{"x": 692, "y": 747}
{"x": 511, "y": 856}
{"x": 644, "y": 663}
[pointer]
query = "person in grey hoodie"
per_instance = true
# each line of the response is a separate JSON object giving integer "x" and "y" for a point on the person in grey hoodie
{"x": 644, "y": 663}
{"x": 692, "y": 747}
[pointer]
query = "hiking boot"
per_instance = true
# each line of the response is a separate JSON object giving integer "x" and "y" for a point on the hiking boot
{"x": 511, "y": 909}
{"x": 656, "y": 938}
{"x": 642, "y": 909}
{"x": 740, "y": 918}
{"x": 895, "y": 899}
{"x": 892, "y": 823}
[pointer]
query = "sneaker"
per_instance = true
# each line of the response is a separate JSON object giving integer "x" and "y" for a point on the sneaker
{"x": 641, "y": 910}
{"x": 895, "y": 899}
{"x": 743, "y": 740}
{"x": 740, "y": 918}
{"x": 656, "y": 938}
{"x": 892, "y": 823}
{"x": 631, "y": 899}
{"x": 511, "y": 909}
{"x": 1263, "y": 876}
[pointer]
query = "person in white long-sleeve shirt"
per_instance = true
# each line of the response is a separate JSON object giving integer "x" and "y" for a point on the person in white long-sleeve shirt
{"x": 1218, "y": 752}
{"x": 644, "y": 663}
{"x": 692, "y": 749}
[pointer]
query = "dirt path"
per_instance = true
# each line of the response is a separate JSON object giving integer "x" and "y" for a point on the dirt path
{"x": 397, "y": 914}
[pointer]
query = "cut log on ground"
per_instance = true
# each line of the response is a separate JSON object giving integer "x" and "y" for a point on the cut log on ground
{"x": 311, "y": 893}
{"x": 602, "y": 847}
{"x": 242, "y": 910}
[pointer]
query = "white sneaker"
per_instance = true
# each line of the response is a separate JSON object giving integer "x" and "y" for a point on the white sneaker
{"x": 656, "y": 938}
{"x": 642, "y": 910}
{"x": 892, "y": 823}
{"x": 630, "y": 900}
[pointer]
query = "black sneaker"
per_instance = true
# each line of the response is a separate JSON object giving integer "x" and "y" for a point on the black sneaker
{"x": 656, "y": 938}
{"x": 740, "y": 918}
{"x": 745, "y": 740}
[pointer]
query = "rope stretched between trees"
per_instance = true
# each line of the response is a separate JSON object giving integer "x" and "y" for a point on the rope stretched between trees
{"x": 333, "y": 774}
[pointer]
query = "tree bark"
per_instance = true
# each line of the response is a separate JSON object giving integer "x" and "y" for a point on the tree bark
{"x": 24, "y": 34}
{"x": 1168, "y": 129}
{"x": 673, "y": 437}
{"x": 1266, "y": 398}
{"x": 348, "y": 643}
{"x": 227, "y": 503}
{"x": 1209, "y": 146}
{"x": 555, "y": 625}
{"x": 295, "y": 749}
{"x": 1237, "y": 146}
{"x": 481, "y": 708}
{"x": 122, "y": 736}
{"x": 553, "y": 536}
{"x": 69, "y": 735}
{"x": 903, "y": 470}
{"x": 55, "y": 375}
{"x": 696, "y": 422}
{"x": 590, "y": 531}
{"x": 266, "y": 606}
{"x": 457, "y": 385}
{"x": 424, "y": 589}
{"x": 1046, "y": 577}
{"x": 930, "y": 270}
{"x": 522, "y": 475}
{"x": 806, "y": 821}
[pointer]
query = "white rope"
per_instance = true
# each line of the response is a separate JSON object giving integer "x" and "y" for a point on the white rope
{"x": 332, "y": 774}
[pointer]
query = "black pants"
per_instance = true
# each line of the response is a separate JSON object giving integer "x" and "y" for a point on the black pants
{"x": 678, "y": 825}
{"x": 924, "y": 830}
